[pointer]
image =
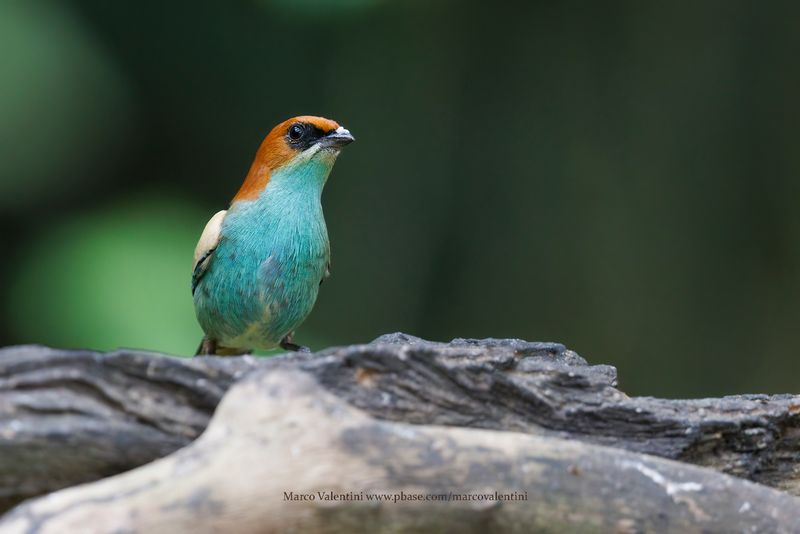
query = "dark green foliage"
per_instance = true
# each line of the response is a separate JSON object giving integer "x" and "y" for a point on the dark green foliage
{"x": 621, "y": 177}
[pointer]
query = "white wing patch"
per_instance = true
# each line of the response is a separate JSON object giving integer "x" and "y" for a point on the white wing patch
{"x": 205, "y": 246}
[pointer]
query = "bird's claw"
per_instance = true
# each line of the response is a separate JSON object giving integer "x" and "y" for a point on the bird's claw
{"x": 288, "y": 344}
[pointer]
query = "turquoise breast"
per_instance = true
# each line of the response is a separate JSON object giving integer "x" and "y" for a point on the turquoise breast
{"x": 265, "y": 273}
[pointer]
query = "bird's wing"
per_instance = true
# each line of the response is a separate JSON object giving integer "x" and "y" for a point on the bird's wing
{"x": 206, "y": 246}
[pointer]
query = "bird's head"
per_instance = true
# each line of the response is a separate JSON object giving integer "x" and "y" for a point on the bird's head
{"x": 299, "y": 149}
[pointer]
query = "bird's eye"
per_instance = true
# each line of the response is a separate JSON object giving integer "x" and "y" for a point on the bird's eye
{"x": 296, "y": 132}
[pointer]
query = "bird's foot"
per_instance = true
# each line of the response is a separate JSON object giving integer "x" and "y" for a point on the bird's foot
{"x": 207, "y": 347}
{"x": 211, "y": 347}
{"x": 288, "y": 344}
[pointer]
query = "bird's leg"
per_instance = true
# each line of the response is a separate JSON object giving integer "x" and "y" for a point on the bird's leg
{"x": 211, "y": 347}
{"x": 207, "y": 346}
{"x": 288, "y": 344}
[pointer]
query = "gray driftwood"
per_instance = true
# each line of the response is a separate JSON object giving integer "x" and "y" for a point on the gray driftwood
{"x": 279, "y": 443}
{"x": 74, "y": 416}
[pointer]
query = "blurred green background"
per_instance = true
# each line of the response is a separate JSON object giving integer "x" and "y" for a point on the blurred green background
{"x": 622, "y": 177}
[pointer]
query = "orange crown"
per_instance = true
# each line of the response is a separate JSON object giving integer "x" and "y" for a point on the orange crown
{"x": 273, "y": 153}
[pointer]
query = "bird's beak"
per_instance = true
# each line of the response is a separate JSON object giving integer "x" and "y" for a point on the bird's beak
{"x": 337, "y": 138}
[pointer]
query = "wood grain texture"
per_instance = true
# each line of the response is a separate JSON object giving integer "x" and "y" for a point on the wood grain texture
{"x": 68, "y": 417}
{"x": 279, "y": 432}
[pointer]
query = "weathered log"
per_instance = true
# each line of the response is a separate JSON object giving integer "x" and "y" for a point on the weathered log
{"x": 68, "y": 417}
{"x": 279, "y": 443}
{"x": 546, "y": 389}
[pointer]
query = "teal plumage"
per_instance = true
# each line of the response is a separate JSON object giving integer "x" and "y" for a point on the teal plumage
{"x": 271, "y": 253}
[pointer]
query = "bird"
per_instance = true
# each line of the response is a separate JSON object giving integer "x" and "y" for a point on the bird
{"x": 259, "y": 264}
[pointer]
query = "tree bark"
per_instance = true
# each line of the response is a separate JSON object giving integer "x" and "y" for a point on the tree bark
{"x": 68, "y": 417}
{"x": 280, "y": 443}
